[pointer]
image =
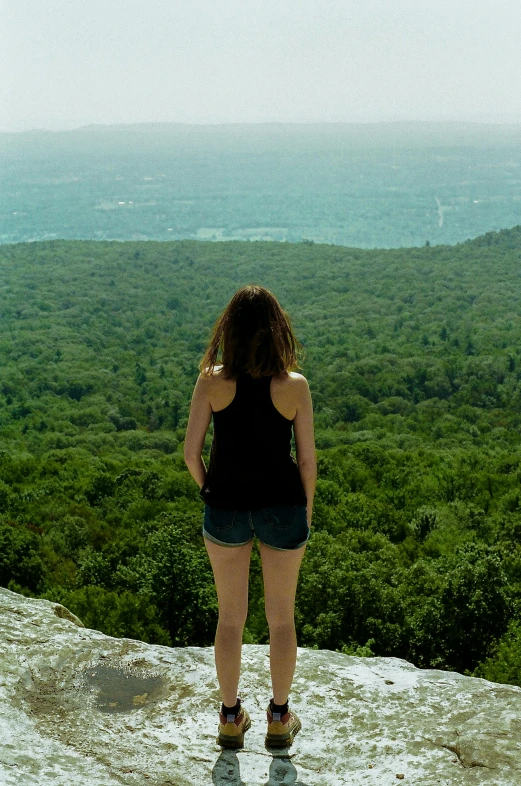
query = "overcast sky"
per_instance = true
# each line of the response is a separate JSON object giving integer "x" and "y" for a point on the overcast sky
{"x": 68, "y": 63}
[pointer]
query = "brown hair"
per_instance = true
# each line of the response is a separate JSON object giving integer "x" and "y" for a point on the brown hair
{"x": 254, "y": 335}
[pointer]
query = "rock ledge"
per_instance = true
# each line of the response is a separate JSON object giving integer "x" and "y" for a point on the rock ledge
{"x": 79, "y": 707}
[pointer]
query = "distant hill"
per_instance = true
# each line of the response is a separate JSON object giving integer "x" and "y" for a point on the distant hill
{"x": 506, "y": 238}
{"x": 273, "y": 136}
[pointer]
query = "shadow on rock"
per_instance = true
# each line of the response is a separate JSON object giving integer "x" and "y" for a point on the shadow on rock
{"x": 283, "y": 772}
{"x": 226, "y": 770}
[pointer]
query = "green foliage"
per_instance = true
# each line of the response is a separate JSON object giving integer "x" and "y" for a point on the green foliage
{"x": 119, "y": 614}
{"x": 504, "y": 662}
{"x": 348, "y": 582}
{"x": 359, "y": 652}
{"x": 173, "y": 569}
{"x": 19, "y": 559}
{"x": 466, "y": 610}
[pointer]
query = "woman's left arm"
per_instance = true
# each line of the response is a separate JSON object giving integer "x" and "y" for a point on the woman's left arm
{"x": 198, "y": 422}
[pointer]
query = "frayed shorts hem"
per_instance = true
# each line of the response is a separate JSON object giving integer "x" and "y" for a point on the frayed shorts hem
{"x": 234, "y": 545}
{"x": 221, "y": 543}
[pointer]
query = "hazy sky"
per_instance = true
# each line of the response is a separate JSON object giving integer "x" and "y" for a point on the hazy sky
{"x": 67, "y": 63}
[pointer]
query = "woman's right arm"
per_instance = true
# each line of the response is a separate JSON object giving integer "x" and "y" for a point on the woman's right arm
{"x": 198, "y": 422}
{"x": 305, "y": 443}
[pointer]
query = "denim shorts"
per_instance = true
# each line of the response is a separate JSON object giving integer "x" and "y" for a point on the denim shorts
{"x": 283, "y": 527}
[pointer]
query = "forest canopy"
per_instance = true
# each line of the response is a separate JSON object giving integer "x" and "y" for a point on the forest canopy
{"x": 413, "y": 359}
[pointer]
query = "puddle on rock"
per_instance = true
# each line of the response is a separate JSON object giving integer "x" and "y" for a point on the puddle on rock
{"x": 122, "y": 690}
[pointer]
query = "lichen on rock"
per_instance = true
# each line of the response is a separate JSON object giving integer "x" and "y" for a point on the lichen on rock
{"x": 65, "y": 614}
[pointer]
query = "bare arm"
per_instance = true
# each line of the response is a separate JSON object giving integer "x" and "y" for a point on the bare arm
{"x": 305, "y": 444}
{"x": 198, "y": 422}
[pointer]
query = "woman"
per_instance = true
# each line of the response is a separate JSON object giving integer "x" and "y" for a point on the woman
{"x": 254, "y": 487}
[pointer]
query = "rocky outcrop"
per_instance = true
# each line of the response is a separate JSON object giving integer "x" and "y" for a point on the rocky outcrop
{"x": 79, "y": 707}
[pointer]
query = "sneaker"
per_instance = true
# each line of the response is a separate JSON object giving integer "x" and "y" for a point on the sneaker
{"x": 281, "y": 729}
{"x": 232, "y": 728}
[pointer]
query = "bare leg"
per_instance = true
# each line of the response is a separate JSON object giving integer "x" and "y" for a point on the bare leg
{"x": 280, "y": 570}
{"x": 230, "y": 567}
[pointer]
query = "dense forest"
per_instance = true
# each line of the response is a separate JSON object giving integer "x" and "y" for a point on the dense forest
{"x": 414, "y": 363}
{"x": 353, "y": 184}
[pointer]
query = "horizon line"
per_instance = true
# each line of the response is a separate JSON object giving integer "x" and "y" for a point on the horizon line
{"x": 250, "y": 123}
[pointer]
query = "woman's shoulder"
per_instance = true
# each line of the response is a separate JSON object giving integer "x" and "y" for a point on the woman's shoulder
{"x": 215, "y": 379}
{"x": 293, "y": 383}
{"x": 294, "y": 375}
{"x": 215, "y": 373}
{"x": 218, "y": 389}
{"x": 292, "y": 379}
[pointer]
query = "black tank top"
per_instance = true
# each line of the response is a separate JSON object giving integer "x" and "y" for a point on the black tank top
{"x": 251, "y": 465}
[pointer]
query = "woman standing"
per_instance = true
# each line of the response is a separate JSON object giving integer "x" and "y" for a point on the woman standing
{"x": 254, "y": 487}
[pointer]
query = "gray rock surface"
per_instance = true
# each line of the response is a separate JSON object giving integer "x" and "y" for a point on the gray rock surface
{"x": 79, "y": 707}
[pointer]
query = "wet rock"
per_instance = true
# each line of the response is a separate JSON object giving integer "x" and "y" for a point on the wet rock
{"x": 77, "y": 706}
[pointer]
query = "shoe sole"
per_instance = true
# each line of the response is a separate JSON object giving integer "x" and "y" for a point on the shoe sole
{"x": 235, "y": 741}
{"x": 282, "y": 740}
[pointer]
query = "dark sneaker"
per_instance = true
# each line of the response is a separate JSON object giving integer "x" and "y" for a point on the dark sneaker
{"x": 232, "y": 729}
{"x": 281, "y": 729}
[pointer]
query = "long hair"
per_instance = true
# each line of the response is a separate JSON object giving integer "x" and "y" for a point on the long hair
{"x": 253, "y": 335}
